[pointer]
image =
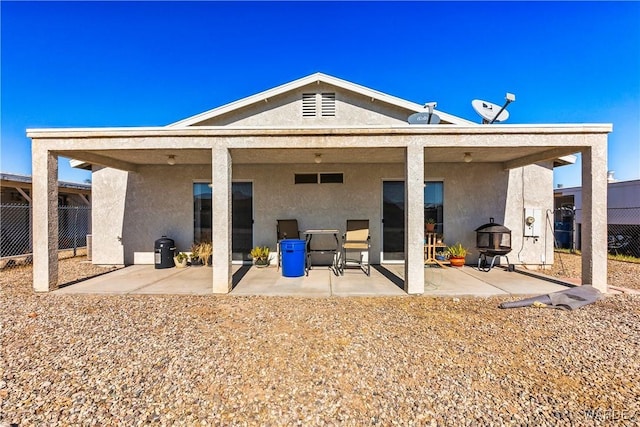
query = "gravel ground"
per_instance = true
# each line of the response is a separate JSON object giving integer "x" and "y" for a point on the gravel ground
{"x": 220, "y": 360}
{"x": 620, "y": 273}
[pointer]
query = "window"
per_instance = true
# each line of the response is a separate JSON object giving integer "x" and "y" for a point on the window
{"x": 322, "y": 178}
{"x": 306, "y": 178}
{"x": 331, "y": 178}
{"x": 242, "y": 217}
{"x": 433, "y": 203}
{"x": 393, "y": 214}
{"x": 201, "y": 212}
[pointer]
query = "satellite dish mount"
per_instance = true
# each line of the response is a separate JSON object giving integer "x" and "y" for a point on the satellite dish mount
{"x": 487, "y": 110}
{"x": 428, "y": 118}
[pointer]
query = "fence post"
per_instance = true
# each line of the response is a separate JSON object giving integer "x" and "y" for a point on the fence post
{"x": 75, "y": 233}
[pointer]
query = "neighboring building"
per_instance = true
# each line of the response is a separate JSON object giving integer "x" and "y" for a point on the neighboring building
{"x": 16, "y": 189}
{"x": 623, "y": 216}
{"x": 15, "y": 215}
{"x": 321, "y": 150}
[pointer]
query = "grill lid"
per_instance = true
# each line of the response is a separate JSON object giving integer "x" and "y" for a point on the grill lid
{"x": 492, "y": 227}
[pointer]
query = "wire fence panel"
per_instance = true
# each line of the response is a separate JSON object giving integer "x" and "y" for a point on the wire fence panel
{"x": 623, "y": 230}
{"x": 16, "y": 232}
{"x": 73, "y": 226}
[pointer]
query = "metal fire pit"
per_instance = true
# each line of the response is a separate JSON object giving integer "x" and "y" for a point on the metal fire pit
{"x": 492, "y": 240}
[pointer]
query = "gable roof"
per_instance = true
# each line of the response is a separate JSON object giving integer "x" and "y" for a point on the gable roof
{"x": 313, "y": 78}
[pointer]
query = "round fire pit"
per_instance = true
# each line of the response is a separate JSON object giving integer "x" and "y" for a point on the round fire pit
{"x": 493, "y": 240}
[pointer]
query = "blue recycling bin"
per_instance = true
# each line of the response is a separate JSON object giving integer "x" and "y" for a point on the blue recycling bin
{"x": 293, "y": 257}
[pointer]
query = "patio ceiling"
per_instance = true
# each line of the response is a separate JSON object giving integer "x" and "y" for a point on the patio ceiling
{"x": 130, "y": 159}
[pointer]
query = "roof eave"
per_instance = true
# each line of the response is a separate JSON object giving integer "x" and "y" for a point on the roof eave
{"x": 565, "y": 160}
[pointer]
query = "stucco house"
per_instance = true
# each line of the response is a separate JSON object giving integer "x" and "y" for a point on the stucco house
{"x": 321, "y": 150}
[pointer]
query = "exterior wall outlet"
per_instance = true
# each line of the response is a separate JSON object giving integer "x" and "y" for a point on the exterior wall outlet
{"x": 532, "y": 222}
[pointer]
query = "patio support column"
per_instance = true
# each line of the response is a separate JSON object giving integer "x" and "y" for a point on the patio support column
{"x": 45, "y": 217}
{"x": 594, "y": 216}
{"x": 221, "y": 219}
{"x": 414, "y": 220}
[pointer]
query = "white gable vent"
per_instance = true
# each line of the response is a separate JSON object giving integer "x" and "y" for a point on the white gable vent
{"x": 328, "y": 105}
{"x": 308, "y": 105}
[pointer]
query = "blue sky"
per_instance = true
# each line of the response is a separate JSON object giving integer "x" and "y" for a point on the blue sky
{"x": 86, "y": 64}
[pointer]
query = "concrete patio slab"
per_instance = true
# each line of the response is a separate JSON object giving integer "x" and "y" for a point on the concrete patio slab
{"x": 192, "y": 281}
{"x": 354, "y": 282}
{"x": 385, "y": 280}
{"x": 269, "y": 281}
{"x": 514, "y": 283}
{"x": 469, "y": 281}
{"x": 122, "y": 281}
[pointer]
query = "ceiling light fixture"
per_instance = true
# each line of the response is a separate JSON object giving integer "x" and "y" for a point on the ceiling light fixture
{"x": 318, "y": 158}
{"x": 171, "y": 159}
{"x": 467, "y": 157}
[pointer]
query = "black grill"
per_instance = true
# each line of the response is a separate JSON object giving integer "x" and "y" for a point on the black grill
{"x": 493, "y": 240}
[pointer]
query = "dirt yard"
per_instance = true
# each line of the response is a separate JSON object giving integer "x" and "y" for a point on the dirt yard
{"x": 620, "y": 273}
{"x": 235, "y": 361}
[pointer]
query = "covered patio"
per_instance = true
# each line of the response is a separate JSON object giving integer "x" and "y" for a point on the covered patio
{"x": 385, "y": 280}
{"x": 323, "y": 151}
{"x": 137, "y": 159}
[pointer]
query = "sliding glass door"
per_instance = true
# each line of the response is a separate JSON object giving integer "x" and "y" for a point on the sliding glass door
{"x": 393, "y": 211}
{"x": 242, "y": 220}
{"x": 241, "y": 217}
{"x": 392, "y": 221}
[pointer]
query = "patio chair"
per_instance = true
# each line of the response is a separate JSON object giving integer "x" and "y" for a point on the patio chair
{"x": 356, "y": 239}
{"x": 286, "y": 229}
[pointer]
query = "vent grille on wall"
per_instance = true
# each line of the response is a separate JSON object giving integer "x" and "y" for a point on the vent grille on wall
{"x": 328, "y": 104}
{"x": 308, "y": 105}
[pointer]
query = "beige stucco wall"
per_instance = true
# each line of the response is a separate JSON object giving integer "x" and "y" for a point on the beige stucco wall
{"x": 131, "y": 210}
{"x": 286, "y": 110}
{"x": 159, "y": 201}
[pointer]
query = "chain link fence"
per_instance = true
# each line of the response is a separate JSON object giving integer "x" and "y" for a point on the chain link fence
{"x": 16, "y": 238}
{"x": 623, "y": 230}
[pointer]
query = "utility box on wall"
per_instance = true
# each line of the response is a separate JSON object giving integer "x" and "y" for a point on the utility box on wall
{"x": 532, "y": 222}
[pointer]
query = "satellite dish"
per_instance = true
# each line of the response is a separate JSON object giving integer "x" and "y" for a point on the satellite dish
{"x": 424, "y": 119}
{"x": 491, "y": 112}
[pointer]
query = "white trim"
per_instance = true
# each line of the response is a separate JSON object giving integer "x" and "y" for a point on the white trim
{"x": 546, "y": 128}
{"x": 566, "y": 160}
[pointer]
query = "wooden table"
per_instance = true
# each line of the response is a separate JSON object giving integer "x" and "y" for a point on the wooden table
{"x": 431, "y": 245}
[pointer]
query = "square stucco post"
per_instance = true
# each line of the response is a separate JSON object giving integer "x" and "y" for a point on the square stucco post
{"x": 45, "y": 218}
{"x": 221, "y": 220}
{"x": 414, "y": 220}
{"x": 594, "y": 216}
